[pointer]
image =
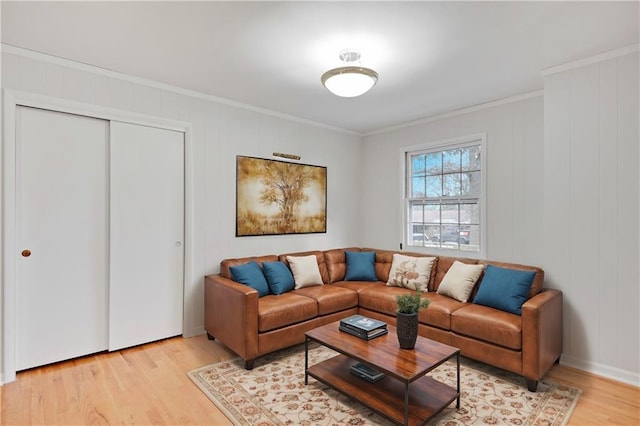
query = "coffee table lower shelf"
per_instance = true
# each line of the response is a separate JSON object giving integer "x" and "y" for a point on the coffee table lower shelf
{"x": 427, "y": 397}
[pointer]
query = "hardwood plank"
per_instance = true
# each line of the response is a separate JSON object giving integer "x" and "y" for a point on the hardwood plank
{"x": 142, "y": 385}
{"x": 109, "y": 391}
{"x": 603, "y": 401}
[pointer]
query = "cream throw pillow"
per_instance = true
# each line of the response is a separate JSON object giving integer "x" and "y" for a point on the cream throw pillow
{"x": 459, "y": 280}
{"x": 410, "y": 272}
{"x": 305, "y": 271}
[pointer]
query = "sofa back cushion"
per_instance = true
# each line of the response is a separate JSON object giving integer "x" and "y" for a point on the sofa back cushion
{"x": 227, "y": 263}
{"x": 445, "y": 262}
{"x": 336, "y": 263}
{"x": 322, "y": 267}
{"x": 384, "y": 259}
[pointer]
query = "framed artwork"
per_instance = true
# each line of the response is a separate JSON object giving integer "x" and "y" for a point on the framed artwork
{"x": 277, "y": 197}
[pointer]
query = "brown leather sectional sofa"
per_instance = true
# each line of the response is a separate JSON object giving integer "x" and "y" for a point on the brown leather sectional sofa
{"x": 251, "y": 327}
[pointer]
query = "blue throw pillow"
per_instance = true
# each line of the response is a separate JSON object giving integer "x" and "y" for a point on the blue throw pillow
{"x": 504, "y": 289}
{"x": 250, "y": 274}
{"x": 278, "y": 276}
{"x": 360, "y": 266}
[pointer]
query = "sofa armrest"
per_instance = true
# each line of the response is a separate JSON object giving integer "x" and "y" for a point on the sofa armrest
{"x": 231, "y": 314}
{"x": 541, "y": 333}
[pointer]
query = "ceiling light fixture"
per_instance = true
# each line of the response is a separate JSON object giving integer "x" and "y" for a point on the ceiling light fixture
{"x": 350, "y": 80}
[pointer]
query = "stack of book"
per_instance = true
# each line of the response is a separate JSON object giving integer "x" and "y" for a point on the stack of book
{"x": 367, "y": 373}
{"x": 363, "y": 327}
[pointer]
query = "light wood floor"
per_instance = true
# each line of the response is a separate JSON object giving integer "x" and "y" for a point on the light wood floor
{"x": 148, "y": 385}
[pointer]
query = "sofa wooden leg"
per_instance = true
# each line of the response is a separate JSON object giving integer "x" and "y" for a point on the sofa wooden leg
{"x": 248, "y": 364}
{"x": 210, "y": 337}
{"x": 532, "y": 385}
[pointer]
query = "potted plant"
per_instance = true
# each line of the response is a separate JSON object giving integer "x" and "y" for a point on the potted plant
{"x": 408, "y": 306}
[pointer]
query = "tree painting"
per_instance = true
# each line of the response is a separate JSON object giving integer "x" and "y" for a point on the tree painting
{"x": 277, "y": 197}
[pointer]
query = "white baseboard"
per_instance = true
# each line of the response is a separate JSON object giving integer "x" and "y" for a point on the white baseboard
{"x": 194, "y": 331}
{"x": 618, "y": 374}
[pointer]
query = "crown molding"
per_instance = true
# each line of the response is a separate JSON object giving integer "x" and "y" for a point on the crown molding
{"x": 623, "y": 51}
{"x": 19, "y": 51}
{"x": 80, "y": 66}
{"x": 457, "y": 112}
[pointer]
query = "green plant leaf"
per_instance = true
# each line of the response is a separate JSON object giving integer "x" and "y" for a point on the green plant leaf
{"x": 411, "y": 303}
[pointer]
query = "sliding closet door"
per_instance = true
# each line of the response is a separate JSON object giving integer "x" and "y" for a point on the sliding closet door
{"x": 61, "y": 236}
{"x": 146, "y": 234}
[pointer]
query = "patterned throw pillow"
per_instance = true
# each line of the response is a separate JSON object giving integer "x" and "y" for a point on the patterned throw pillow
{"x": 410, "y": 272}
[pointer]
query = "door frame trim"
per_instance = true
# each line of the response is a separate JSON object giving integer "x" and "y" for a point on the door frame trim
{"x": 8, "y": 249}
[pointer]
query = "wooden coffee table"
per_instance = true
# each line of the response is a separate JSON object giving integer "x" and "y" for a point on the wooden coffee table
{"x": 389, "y": 397}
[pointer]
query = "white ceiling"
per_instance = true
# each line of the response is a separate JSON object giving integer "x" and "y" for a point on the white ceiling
{"x": 432, "y": 57}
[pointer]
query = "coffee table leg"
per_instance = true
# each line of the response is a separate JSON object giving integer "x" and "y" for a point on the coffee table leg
{"x": 306, "y": 362}
{"x": 458, "y": 362}
{"x": 406, "y": 403}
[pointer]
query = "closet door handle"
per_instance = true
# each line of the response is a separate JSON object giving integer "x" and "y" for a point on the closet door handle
{"x": 26, "y": 253}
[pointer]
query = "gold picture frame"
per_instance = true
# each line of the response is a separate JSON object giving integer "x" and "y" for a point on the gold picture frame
{"x": 276, "y": 197}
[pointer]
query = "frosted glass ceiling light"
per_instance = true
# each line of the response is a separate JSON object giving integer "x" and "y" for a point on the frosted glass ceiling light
{"x": 350, "y": 80}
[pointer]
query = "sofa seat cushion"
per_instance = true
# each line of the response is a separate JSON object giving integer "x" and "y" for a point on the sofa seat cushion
{"x": 358, "y": 286}
{"x": 488, "y": 324}
{"x": 381, "y": 298}
{"x": 330, "y": 298}
{"x": 438, "y": 314}
{"x": 276, "y": 311}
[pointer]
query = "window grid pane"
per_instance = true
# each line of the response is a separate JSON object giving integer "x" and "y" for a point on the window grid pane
{"x": 418, "y": 184}
{"x": 444, "y": 203}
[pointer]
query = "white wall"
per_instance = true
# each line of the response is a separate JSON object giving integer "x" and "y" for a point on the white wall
{"x": 563, "y": 194}
{"x": 513, "y": 170}
{"x": 555, "y": 166}
{"x": 220, "y": 132}
{"x": 591, "y": 216}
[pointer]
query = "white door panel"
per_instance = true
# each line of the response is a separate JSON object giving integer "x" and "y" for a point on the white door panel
{"x": 61, "y": 217}
{"x": 146, "y": 234}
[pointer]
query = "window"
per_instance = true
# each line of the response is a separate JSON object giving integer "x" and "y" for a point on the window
{"x": 444, "y": 192}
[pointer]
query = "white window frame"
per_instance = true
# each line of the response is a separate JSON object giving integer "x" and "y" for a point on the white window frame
{"x": 443, "y": 145}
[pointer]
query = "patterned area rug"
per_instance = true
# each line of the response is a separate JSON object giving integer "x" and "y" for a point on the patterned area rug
{"x": 274, "y": 393}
